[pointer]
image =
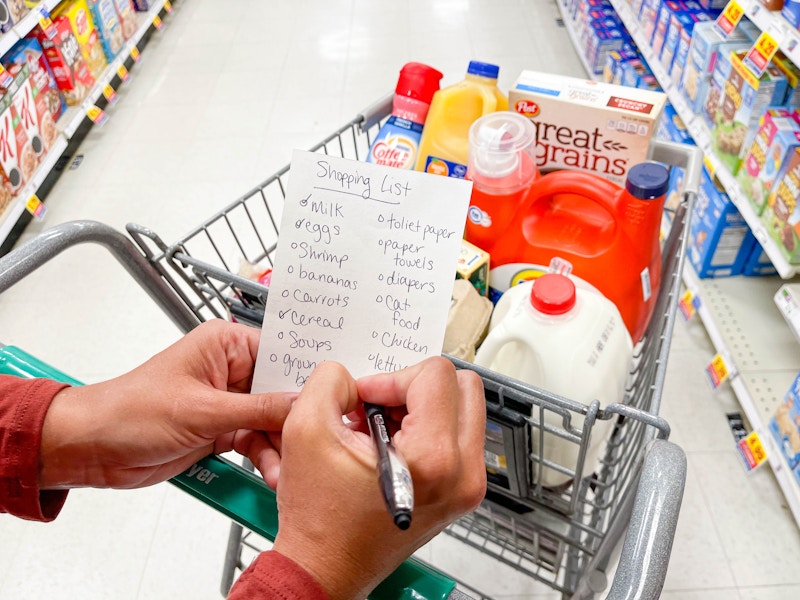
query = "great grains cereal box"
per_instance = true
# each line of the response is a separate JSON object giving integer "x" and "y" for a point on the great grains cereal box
{"x": 590, "y": 126}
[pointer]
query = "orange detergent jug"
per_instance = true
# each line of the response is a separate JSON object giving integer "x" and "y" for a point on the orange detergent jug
{"x": 502, "y": 167}
{"x": 609, "y": 234}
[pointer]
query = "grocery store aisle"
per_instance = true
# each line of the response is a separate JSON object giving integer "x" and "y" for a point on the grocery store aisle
{"x": 220, "y": 98}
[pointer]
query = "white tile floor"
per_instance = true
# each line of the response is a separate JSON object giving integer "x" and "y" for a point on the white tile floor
{"x": 220, "y": 98}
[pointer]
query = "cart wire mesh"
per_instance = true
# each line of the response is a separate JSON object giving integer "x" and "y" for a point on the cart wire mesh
{"x": 561, "y": 536}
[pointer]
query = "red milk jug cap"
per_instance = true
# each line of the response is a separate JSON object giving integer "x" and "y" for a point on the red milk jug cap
{"x": 553, "y": 294}
{"x": 418, "y": 81}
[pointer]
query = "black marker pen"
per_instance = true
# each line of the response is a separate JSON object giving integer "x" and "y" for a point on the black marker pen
{"x": 393, "y": 474}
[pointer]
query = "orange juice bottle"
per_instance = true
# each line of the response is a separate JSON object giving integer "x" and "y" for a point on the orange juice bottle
{"x": 444, "y": 146}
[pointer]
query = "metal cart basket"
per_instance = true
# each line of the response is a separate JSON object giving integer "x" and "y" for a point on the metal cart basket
{"x": 562, "y": 537}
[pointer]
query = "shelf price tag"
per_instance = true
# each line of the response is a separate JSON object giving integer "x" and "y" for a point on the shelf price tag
{"x": 46, "y": 23}
{"x": 688, "y": 304}
{"x": 35, "y": 207}
{"x": 96, "y": 114}
{"x": 109, "y": 93}
{"x": 752, "y": 451}
{"x": 168, "y": 6}
{"x": 718, "y": 371}
{"x": 123, "y": 73}
{"x": 729, "y": 18}
{"x": 761, "y": 53}
{"x": 135, "y": 54}
{"x": 5, "y": 77}
{"x": 157, "y": 22}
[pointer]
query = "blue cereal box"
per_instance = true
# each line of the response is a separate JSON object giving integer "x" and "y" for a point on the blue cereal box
{"x": 106, "y": 19}
{"x": 791, "y": 12}
{"x": 717, "y": 233}
{"x": 757, "y": 263}
{"x": 785, "y": 428}
{"x": 672, "y": 128}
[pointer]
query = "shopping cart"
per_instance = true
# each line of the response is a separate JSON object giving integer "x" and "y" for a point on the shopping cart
{"x": 562, "y": 537}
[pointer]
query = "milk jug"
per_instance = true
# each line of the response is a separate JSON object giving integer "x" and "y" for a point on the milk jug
{"x": 563, "y": 336}
{"x": 444, "y": 147}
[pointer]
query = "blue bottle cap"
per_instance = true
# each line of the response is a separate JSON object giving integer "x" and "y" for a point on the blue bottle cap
{"x": 482, "y": 69}
{"x": 647, "y": 180}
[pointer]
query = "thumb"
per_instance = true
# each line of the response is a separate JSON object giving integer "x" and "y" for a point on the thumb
{"x": 229, "y": 411}
{"x": 328, "y": 394}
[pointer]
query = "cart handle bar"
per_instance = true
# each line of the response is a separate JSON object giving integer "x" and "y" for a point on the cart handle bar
{"x": 27, "y": 258}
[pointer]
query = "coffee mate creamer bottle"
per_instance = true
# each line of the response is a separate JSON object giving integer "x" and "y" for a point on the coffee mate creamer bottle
{"x": 444, "y": 148}
{"x": 397, "y": 143}
{"x": 561, "y": 335}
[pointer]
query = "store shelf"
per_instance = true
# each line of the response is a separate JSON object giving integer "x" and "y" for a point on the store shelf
{"x": 772, "y": 22}
{"x": 787, "y": 299}
{"x": 75, "y": 116}
{"x": 18, "y": 204}
{"x": 569, "y": 25}
{"x": 700, "y": 133}
{"x": 24, "y": 27}
{"x": 760, "y": 352}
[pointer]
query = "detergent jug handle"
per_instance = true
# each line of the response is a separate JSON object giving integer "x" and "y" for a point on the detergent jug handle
{"x": 593, "y": 187}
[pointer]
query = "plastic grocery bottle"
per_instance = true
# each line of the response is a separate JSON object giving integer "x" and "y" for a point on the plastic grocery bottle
{"x": 567, "y": 339}
{"x": 397, "y": 143}
{"x": 502, "y": 167}
{"x": 609, "y": 234}
{"x": 444, "y": 147}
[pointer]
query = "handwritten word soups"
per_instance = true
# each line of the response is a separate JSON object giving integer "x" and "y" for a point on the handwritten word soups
{"x": 363, "y": 272}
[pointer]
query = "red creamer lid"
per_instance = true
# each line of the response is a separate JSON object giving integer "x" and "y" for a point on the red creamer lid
{"x": 553, "y": 294}
{"x": 418, "y": 81}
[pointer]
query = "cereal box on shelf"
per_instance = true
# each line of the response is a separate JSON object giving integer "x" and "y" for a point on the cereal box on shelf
{"x": 791, "y": 12}
{"x": 17, "y": 160}
{"x": 717, "y": 232}
{"x": 774, "y": 142}
{"x": 792, "y": 74}
{"x": 127, "y": 17}
{"x": 108, "y": 26}
{"x": 25, "y": 116}
{"x": 76, "y": 13}
{"x": 781, "y": 216}
{"x": 29, "y": 51}
{"x": 11, "y": 11}
{"x": 142, "y": 5}
{"x": 30, "y": 103}
{"x": 785, "y": 428}
{"x": 757, "y": 263}
{"x": 735, "y": 103}
{"x": 65, "y": 59}
{"x": 587, "y": 125}
{"x": 705, "y": 47}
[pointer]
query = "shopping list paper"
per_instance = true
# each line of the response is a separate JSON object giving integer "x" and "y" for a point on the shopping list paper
{"x": 363, "y": 272}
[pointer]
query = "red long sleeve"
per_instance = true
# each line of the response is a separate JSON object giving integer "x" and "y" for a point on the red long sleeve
{"x": 23, "y": 405}
{"x": 272, "y": 576}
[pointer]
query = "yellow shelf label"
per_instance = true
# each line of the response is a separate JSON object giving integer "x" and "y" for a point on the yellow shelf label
{"x": 109, "y": 93}
{"x": 35, "y": 207}
{"x": 157, "y": 22}
{"x": 758, "y": 57}
{"x": 729, "y": 18}
{"x": 135, "y": 54}
{"x": 123, "y": 73}
{"x": 168, "y": 6}
{"x": 752, "y": 451}
{"x": 687, "y": 305}
{"x": 96, "y": 114}
{"x": 717, "y": 371}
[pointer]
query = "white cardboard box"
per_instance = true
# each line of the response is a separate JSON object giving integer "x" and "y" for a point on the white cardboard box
{"x": 587, "y": 125}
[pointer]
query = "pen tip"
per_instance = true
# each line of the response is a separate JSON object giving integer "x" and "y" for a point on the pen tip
{"x": 403, "y": 520}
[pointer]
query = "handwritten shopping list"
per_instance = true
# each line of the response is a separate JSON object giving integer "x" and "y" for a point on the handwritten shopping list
{"x": 363, "y": 272}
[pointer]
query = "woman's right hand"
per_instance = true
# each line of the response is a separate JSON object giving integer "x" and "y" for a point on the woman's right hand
{"x": 332, "y": 518}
